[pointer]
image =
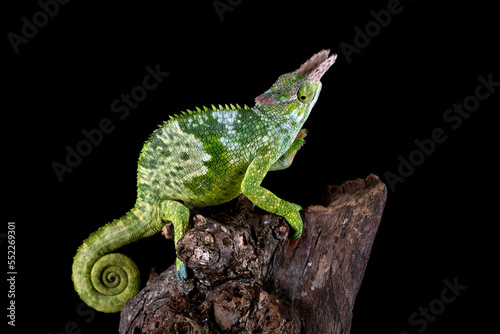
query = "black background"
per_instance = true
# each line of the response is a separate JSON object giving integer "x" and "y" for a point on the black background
{"x": 437, "y": 225}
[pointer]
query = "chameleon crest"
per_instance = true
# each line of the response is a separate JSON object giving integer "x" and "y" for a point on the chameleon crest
{"x": 201, "y": 158}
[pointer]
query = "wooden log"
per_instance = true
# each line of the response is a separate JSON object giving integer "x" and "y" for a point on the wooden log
{"x": 249, "y": 276}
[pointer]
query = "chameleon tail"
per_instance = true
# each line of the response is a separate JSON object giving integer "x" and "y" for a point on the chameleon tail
{"x": 104, "y": 281}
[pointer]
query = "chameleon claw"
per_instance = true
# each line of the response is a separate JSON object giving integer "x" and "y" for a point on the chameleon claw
{"x": 181, "y": 270}
{"x": 295, "y": 220}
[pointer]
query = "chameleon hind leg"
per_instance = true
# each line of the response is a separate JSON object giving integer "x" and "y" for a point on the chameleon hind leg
{"x": 178, "y": 214}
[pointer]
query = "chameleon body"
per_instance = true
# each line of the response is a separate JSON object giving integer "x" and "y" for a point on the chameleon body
{"x": 202, "y": 158}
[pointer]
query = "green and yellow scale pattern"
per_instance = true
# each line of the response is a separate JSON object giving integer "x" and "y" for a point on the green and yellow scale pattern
{"x": 199, "y": 158}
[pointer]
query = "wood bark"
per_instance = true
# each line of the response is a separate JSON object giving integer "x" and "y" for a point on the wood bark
{"x": 249, "y": 276}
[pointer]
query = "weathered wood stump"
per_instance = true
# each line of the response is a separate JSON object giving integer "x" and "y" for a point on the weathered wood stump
{"x": 250, "y": 276}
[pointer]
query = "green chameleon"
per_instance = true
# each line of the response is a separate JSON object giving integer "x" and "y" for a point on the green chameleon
{"x": 202, "y": 158}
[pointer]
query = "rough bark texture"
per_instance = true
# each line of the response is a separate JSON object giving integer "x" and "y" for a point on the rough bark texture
{"x": 249, "y": 276}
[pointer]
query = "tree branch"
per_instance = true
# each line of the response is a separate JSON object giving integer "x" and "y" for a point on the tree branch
{"x": 250, "y": 276}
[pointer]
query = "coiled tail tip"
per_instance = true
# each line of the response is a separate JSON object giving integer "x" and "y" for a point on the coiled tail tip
{"x": 107, "y": 284}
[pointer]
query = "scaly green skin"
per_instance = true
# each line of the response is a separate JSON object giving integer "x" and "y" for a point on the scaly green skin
{"x": 202, "y": 158}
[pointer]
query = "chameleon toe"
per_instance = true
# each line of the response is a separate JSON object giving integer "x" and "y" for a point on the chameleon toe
{"x": 182, "y": 272}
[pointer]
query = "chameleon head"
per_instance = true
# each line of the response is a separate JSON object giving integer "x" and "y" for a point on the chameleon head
{"x": 297, "y": 92}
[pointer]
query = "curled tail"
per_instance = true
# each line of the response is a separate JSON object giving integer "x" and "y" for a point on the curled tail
{"x": 105, "y": 281}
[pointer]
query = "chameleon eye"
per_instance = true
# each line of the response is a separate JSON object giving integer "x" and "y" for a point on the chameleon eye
{"x": 304, "y": 92}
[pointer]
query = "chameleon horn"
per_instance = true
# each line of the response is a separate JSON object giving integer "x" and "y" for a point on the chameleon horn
{"x": 317, "y": 65}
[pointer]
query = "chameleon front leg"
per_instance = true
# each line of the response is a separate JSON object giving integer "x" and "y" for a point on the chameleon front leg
{"x": 178, "y": 214}
{"x": 265, "y": 199}
{"x": 287, "y": 158}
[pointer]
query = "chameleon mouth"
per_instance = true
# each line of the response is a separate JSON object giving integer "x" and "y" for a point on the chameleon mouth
{"x": 316, "y": 66}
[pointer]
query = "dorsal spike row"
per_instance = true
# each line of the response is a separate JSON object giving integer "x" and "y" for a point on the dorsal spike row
{"x": 214, "y": 108}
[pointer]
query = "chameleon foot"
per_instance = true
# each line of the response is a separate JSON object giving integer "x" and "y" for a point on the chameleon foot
{"x": 297, "y": 234}
{"x": 295, "y": 221}
{"x": 181, "y": 270}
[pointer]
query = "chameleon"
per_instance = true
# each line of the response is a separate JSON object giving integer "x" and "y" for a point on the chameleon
{"x": 197, "y": 158}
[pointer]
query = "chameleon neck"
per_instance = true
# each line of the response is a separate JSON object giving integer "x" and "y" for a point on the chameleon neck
{"x": 106, "y": 281}
{"x": 282, "y": 127}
